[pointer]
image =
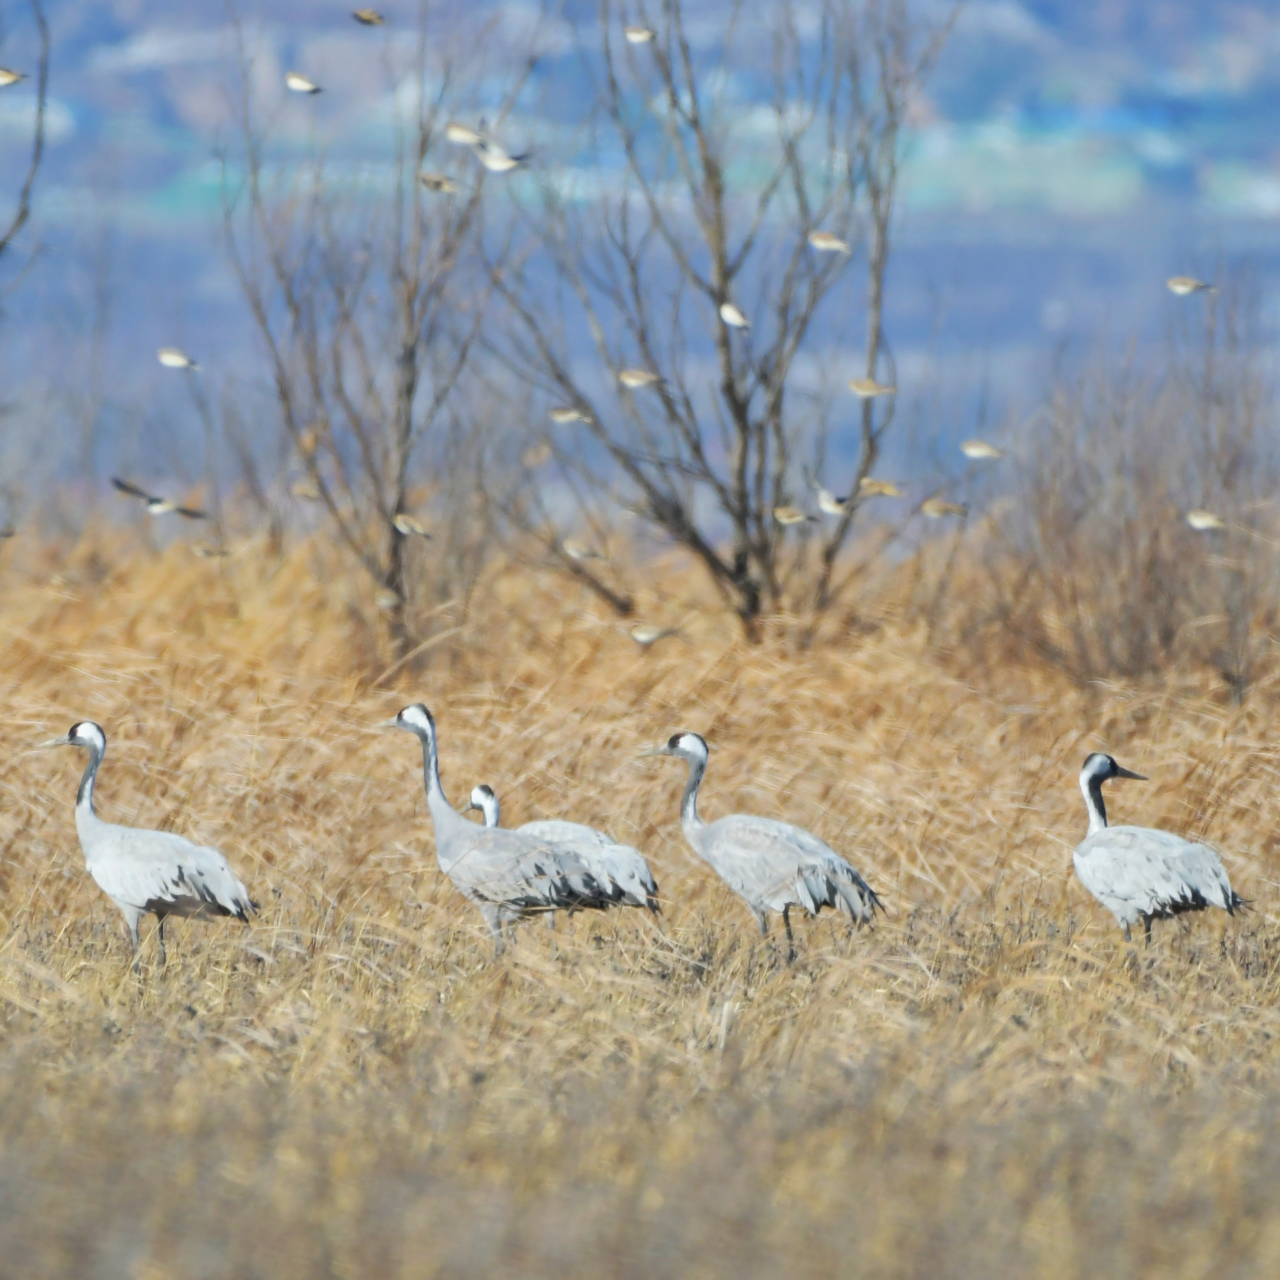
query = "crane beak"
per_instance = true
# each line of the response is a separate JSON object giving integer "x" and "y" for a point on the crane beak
{"x": 1127, "y": 773}
{"x": 387, "y": 724}
{"x": 64, "y": 741}
{"x": 470, "y": 805}
{"x": 655, "y": 751}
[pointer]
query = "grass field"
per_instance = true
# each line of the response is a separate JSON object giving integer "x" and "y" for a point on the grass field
{"x": 988, "y": 1083}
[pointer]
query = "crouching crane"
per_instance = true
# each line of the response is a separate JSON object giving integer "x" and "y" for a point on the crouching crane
{"x": 619, "y": 870}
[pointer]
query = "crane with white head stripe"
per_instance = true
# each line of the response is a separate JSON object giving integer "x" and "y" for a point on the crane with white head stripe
{"x": 770, "y": 865}
{"x": 149, "y": 871}
{"x": 619, "y": 870}
{"x": 1143, "y": 873}
{"x": 507, "y": 874}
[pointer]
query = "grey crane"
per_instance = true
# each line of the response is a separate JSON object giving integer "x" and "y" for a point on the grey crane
{"x": 1143, "y": 873}
{"x": 507, "y": 874}
{"x": 619, "y": 870}
{"x": 771, "y": 866}
{"x": 149, "y": 871}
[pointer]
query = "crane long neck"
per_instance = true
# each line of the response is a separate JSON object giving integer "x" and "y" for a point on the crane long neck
{"x": 689, "y": 819}
{"x": 1092, "y": 789}
{"x": 84, "y": 796}
{"x": 443, "y": 815}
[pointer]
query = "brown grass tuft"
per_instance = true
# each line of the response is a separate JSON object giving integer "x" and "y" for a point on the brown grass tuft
{"x": 988, "y": 1083}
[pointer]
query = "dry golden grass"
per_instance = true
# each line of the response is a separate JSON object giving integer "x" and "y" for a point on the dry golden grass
{"x": 987, "y": 1083}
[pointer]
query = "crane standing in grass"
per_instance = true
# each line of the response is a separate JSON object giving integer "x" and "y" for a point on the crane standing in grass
{"x": 149, "y": 871}
{"x": 1142, "y": 873}
{"x": 619, "y": 870}
{"x": 507, "y": 874}
{"x": 771, "y": 866}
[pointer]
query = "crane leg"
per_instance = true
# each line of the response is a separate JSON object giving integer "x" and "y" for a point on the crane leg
{"x": 1146, "y": 925}
{"x": 160, "y": 940}
{"x": 791, "y": 942}
{"x": 1128, "y": 937}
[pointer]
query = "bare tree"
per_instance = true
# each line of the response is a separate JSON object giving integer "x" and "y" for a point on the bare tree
{"x": 368, "y": 307}
{"x": 695, "y": 279}
{"x": 23, "y": 209}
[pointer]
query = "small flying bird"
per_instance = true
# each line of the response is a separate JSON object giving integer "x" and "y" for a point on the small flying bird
{"x": 298, "y": 83}
{"x": 1203, "y": 521}
{"x": 563, "y": 416}
{"x": 440, "y": 183}
{"x": 8, "y": 77}
{"x": 980, "y": 449}
{"x": 307, "y": 492}
{"x": 618, "y": 869}
{"x": 536, "y": 456}
{"x": 175, "y": 358}
{"x": 157, "y": 506}
{"x": 637, "y": 35}
{"x": 878, "y": 488}
{"x": 209, "y": 553}
{"x": 829, "y": 504}
{"x": 1184, "y": 285}
{"x": 409, "y": 526}
{"x": 368, "y": 17}
{"x": 939, "y": 508}
{"x": 495, "y": 157}
{"x": 1142, "y": 873}
{"x": 462, "y": 135}
{"x": 386, "y": 600}
{"x": 733, "y": 317}
{"x": 634, "y": 378}
{"x": 791, "y": 515}
{"x": 576, "y": 549}
{"x": 645, "y": 634}
{"x": 869, "y": 388}
{"x": 308, "y": 442}
{"x": 149, "y": 871}
{"x": 770, "y": 865}
{"x": 825, "y": 242}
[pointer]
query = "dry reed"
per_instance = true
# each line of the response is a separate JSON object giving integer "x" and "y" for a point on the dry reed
{"x": 986, "y": 1083}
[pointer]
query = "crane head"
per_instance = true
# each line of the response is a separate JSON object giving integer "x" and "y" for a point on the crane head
{"x": 1101, "y": 767}
{"x": 688, "y": 746}
{"x": 83, "y": 733}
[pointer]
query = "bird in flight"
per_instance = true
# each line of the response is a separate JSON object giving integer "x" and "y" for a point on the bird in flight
{"x": 878, "y": 488}
{"x": 174, "y": 358}
{"x": 409, "y": 525}
{"x": 299, "y": 83}
{"x": 791, "y": 515}
{"x": 439, "y": 182}
{"x": 637, "y": 35}
{"x": 8, "y": 77}
{"x": 1204, "y": 521}
{"x": 634, "y": 378}
{"x": 733, "y": 317}
{"x": 157, "y": 506}
{"x": 563, "y": 416}
{"x": 825, "y": 242}
{"x": 368, "y": 17}
{"x": 867, "y": 388}
{"x": 1184, "y": 285}
{"x": 980, "y": 449}
{"x": 939, "y": 508}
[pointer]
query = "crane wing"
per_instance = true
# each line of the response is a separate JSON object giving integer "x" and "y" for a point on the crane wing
{"x": 619, "y": 869}
{"x": 1151, "y": 872}
{"x": 774, "y": 865}
{"x": 167, "y": 874}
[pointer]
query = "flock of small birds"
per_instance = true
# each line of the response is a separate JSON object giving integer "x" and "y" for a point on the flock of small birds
{"x": 510, "y": 874}
{"x": 1138, "y": 873}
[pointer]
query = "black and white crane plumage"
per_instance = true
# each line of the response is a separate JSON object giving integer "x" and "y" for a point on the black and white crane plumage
{"x": 770, "y": 865}
{"x": 1142, "y": 873}
{"x": 619, "y": 869}
{"x": 507, "y": 874}
{"x": 149, "y": 871}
